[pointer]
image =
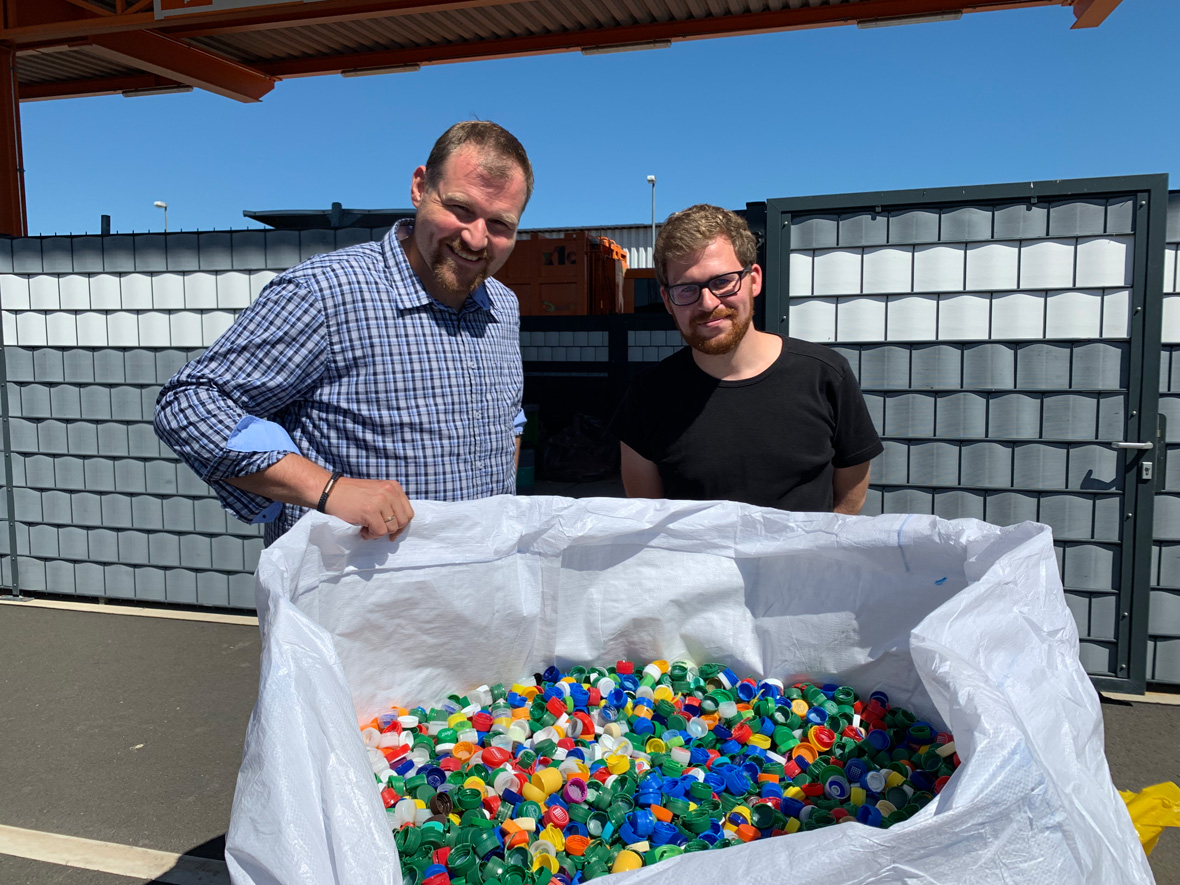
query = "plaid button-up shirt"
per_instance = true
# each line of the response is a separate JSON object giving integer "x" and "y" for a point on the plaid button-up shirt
{"x": 348, "y": 361}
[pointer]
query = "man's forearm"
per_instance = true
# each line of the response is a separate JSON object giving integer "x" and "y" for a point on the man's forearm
{"x": 292, "y": 479}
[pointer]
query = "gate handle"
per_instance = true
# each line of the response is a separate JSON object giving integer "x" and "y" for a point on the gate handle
{"x": 1131, "y": 445}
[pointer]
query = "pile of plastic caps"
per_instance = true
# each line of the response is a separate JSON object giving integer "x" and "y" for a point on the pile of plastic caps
{"x": 602, "y": 770}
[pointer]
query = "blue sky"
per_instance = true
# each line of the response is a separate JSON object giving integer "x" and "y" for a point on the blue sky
{"x": 994, "y": 97}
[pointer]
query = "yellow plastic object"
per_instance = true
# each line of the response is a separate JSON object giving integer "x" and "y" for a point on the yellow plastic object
{"x": 1152, "y": 809}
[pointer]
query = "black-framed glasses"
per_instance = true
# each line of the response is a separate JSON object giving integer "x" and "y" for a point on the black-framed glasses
{"x": 722, "y": 286}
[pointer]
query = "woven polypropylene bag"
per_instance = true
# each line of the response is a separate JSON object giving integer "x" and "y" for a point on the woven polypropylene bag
{"x": 961, "y": 622}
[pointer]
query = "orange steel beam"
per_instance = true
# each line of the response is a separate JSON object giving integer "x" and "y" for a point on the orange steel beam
{"x": 178, "y": 61}
{"x": 1092, "y": 13}
{"x": 13, "y": 221}
{"x": 728, "y": 25}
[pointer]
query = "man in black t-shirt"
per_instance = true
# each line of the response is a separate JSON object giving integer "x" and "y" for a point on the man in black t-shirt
{"x": 739, "y": 414}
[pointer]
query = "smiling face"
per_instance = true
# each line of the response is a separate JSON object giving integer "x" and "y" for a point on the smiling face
{"x": 713, "y": 325}
{"x": 465, "y": 228}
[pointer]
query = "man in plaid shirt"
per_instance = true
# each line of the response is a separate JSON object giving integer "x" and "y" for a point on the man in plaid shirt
{"x": 378, "y": 373}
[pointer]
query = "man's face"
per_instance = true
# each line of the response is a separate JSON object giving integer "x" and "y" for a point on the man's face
{"x": 466, "y": 226}
{"x": 713, "y": 325}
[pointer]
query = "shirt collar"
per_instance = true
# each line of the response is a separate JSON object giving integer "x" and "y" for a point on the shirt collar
{"x": 408, "y": 289}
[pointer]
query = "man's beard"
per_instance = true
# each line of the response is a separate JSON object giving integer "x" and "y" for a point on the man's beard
{"x": 443, "y": 267}
{"x": 717, "y": 345}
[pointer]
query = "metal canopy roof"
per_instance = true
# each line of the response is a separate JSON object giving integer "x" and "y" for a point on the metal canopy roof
{"x": 240, "y": 48}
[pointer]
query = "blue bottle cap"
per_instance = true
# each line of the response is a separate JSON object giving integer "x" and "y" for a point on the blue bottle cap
{"x": 730, "y": 748}
{"x": 721, "y": 732}
{"x": 643, "y": 822}
{"x": 576, "y": 828}
{"x": 642, "y": 726}
{"x": 617, "y": 698}
{"x": 746, "y": 691}
{"x": 869, "y": 815}
{"x": 766, "y": 726}
{"x": 516, "y": 700}
{"x": 662, "y": 833}
{"x": 817, "y": 715}
{"x": 715, "y": 781}
{"x": 880, "y": 697}
{"x": 698, "y": 756}
{"x": 791, "y": 807}
{"x": 836, "y": 787}
{"x": 551, "y": 674}
{"x": 854, "y": 769}
{"x": 921, "y": 780}
{"x": 873, "y": 781}
{"x": 879, "y": 739}
{"x": 737, "y": 782}
{"x": 629, "y": 682}
{"x": 626, "y": 833}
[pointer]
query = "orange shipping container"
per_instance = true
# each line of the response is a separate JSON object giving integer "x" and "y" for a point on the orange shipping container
{"x": 574, "y": 275}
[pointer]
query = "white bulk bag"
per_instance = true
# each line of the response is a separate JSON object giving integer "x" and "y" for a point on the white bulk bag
{"x": 961, "y": 622}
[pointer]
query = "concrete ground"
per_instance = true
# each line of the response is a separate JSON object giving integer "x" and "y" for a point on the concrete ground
{"x": 125, "y": 727}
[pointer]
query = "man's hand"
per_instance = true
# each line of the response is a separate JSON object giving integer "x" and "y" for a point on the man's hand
{"x": 378, "y": 506}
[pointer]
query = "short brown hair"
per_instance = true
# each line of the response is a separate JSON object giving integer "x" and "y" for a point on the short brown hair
{"x": 694, "y": 228}
{"x": 493, "y": 140}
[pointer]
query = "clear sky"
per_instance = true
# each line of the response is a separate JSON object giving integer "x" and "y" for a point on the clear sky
{"x": 993, "y": 97}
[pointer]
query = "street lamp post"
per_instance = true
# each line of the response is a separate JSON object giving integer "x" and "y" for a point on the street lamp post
{"x": 160, "y": 204}
{"x": 652, "y": 181}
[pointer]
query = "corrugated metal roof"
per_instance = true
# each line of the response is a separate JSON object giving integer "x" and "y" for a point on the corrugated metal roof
{"x": 334, "y": 35}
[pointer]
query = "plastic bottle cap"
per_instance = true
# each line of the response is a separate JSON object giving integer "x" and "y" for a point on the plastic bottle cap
{"x": 626, "y": 860}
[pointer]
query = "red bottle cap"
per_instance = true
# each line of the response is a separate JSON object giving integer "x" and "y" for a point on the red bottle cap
{"x": 624, "y": 668}
{"x": 494, "y": 757}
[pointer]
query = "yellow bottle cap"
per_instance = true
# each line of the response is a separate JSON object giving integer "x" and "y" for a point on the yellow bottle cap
{"x": 626, "y": 860}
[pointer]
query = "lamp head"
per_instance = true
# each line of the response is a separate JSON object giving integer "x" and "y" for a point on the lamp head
{"x": 160, "y": 204}
{"x": 651, "y": 179}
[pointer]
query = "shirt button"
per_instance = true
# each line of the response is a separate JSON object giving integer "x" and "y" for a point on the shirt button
{"x": 471, "y": 365}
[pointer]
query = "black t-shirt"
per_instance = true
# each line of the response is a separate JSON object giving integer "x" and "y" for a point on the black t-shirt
{"x": 770, "y": 440}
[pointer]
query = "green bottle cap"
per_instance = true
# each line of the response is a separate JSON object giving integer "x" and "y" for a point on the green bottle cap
{"x": 463, "y": 860}
{"x": 696, "y": 845}
{"x": 407, "y": 840}
{"x": 762, "y": 816}
{"x": 844, "y": 695}
{"x": 578, "y": 811}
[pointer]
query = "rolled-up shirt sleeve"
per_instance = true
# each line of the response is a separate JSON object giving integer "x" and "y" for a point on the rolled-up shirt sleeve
{"x": 216, "y": 412}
